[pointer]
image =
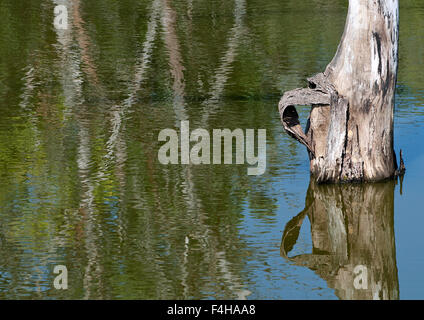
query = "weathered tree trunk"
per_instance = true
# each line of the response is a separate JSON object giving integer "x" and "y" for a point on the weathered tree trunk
{"x": 349, "y": 134}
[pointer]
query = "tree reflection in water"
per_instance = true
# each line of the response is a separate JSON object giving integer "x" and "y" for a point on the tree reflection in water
{"x": 351, "y": 225}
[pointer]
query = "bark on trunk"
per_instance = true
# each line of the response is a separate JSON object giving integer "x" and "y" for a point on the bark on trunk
{"x": 349, "y": 134}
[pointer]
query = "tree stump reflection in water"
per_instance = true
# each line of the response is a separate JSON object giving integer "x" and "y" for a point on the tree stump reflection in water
{"x": 351, "y": 226}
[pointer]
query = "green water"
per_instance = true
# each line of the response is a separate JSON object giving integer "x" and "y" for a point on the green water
{"x": 81, "y": 184}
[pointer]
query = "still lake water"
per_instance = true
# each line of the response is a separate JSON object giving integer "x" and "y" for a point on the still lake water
{"x": 81, "y": 186}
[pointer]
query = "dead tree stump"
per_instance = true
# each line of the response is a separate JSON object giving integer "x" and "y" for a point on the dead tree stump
{"x": 349, "y": 133}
